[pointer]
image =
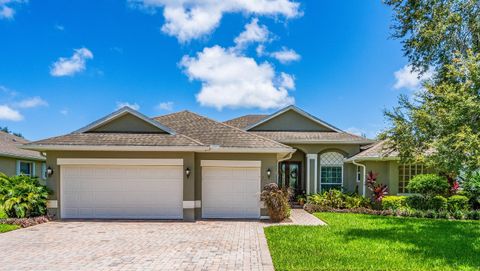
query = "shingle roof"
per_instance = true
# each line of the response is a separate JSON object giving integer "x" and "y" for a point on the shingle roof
{"x": 313, "y": 137}
{"x": 211, "y": 132}
{"x": 118, "y": 139}
{"x": 245, "y": 121}
{"x": 9, "y": 146}
{"x": 378, "y": 150}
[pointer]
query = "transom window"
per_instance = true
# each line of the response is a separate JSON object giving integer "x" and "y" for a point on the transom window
{"x": 331, "y": 171}
{"x": 25, "y": 168}
{"x": 406, "y": 173}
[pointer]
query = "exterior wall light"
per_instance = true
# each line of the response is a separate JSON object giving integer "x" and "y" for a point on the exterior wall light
{"x": 49, "y": 171}
{"x": 269, "y": 173}
{"x": 187, "y": 172}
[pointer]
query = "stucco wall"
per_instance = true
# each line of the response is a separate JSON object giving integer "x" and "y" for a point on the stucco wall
{"x": 387, "y": 173}
{"x": 284, "y": 122}
{"x": 128, "y": 123}
{"x": 8, "y": 166}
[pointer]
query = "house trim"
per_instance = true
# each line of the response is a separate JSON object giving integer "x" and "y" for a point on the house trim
{"x": 120, "y": 162}
{"x": 230, "y": 163}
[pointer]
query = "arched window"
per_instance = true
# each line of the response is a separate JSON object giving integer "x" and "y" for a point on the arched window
{"x": 331, "y": 171}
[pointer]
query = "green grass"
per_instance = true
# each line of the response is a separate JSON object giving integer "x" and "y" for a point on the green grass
{"x": 6, "y": 227}
{"x": 366, "y": 242}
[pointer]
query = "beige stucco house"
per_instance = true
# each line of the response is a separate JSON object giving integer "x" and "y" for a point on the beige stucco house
{"x": 15, "y": 160}
{"x": 186, "y": 166}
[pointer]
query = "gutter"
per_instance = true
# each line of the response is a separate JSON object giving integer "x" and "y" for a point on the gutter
{"x": 364, "y": 176}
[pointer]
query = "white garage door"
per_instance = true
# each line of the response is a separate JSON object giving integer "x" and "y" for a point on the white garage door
{"x": 121, "y": 192}
{"x": 230, "y": 189}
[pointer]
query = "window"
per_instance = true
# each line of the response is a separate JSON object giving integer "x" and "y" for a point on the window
{"x": 331, "y": 171}
{"x": 359, "y": 174}
{"x": 25, "y": 168}
{"x": 44, "y": 171}
{"x": 406, "y": 173}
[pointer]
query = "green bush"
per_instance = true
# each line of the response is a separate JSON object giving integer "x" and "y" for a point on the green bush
{"x": 276, "y": 201}
{"x": 417, "y": 202}
{"x": 337, "y": 200}
{"x": 437, "y": 203}
{"x": 22, "y": 196}
{"x": 457, "y": 203}
{"x": 429, "y": 185}
{"x": 471, "y": 187}
{"x": 394, "y": 202}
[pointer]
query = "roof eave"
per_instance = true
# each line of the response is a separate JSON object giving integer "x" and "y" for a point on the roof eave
{"x": 325, "y": 142}
{"x": 366, "y": 159}
{"x": 26, "y": 157}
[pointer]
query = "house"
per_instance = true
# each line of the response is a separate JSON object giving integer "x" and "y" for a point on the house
{"x": 15, "y": 160}
{"x": 186, "y": 166}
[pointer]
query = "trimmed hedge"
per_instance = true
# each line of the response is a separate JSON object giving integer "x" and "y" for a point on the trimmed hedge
{"x": 394, "y": 202}
{"x": 458, "y": 203}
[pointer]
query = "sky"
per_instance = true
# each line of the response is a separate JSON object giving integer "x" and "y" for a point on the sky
{"x": 64, "y": 64}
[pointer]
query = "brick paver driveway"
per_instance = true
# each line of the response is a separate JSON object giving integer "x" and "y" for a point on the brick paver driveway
{"x": 91, "y": 245}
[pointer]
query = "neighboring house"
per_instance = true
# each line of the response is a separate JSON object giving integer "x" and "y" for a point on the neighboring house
{"x": 186, "y": 166}
{"x": 15, "y": 161}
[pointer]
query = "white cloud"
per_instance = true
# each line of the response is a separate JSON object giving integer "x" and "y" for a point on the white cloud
{"x": 285, "y": 55}
{"x": 167, "y": 106}
{"x": 409, "y": 79}
{"x": 70, "y": 66}
{"x": 8, "y": 113}
{"x": 231, "y": 80}
{"x": 64, "y": 112}
{"x": 133, "y": 106}
{"x": 253, "y": 33}
{"x": 32, "y": 102}
{"x": 59, "y": 27}
{"x": 191, "y": 19}
{"x": 260, "y": 50}
{"x": 287, "y": 81}
{"x": 6, "y": 9}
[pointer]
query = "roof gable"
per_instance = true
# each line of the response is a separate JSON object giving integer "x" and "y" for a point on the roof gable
{"x": 125, "y": 120}
{"x": 292, "y": 118}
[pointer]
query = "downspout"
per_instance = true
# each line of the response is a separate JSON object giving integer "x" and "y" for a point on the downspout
{"x": 364, "y": 175}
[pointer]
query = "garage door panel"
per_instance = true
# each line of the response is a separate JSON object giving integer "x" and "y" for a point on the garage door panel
{"x": 123, "y": 192}
{"x": 230, "y": 192}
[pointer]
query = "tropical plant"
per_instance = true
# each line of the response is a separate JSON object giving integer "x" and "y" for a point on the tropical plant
{"x": 22, "y": 196}
{"x": 378, "y": 190}
{"x": 437, "y": 203}
{"x": 429, "y": 185}
{"x": 301, "y": 199}
{"x": 276, "y": 201}
{"x": 457, "y": 203}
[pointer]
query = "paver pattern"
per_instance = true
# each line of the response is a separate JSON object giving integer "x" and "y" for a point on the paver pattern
{"x": 140, "y": 245}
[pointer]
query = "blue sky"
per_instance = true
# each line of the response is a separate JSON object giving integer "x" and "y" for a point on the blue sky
{"x": 64, "y": 64}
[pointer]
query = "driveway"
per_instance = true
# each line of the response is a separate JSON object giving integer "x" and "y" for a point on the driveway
{"x": 117, "y": 245}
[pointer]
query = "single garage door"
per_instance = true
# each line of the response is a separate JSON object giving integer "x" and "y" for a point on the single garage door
{"x": 230, "y": 189}
{"x": 122, "y": 191}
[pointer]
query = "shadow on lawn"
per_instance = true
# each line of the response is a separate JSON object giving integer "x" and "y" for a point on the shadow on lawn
{"x": 455, "y": 243}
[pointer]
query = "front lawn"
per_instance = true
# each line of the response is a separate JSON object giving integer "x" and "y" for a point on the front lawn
{"x": 367, "y": 242}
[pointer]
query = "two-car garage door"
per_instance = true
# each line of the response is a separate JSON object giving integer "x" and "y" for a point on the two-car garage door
{"x": 122, "y": 191}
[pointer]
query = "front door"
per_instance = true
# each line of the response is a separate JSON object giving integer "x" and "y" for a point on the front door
{"x": 290, "y": 175}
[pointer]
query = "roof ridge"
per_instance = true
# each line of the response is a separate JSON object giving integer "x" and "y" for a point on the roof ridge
{"x": 237, "y": 129}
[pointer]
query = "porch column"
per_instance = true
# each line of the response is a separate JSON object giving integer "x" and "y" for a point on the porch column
{"x": 312, "y": 173}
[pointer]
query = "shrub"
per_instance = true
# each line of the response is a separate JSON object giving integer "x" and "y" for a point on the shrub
{"x": 338, "y": 200}
{"x": 356, "y": 201}
{"x": 471, "y": 187}
{"x": 473, "y": 215}
{"x": 430, "y": 214}
{"x": 22, "y": 196}
{"x": 417, "y": 202}
{"x": 443, "y": 214}
{"x": 458, "y": 214}
{"x": 429, "y": 185}
{"x": 457, "y": 203}
{"x": 276, "y": 201}
{"x": 394, "y": 202}
{"x": 437, "y": 203}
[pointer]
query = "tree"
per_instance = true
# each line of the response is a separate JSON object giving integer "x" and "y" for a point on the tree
{"x": 440, "y": 125}
{"x": 6, "y": 130}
